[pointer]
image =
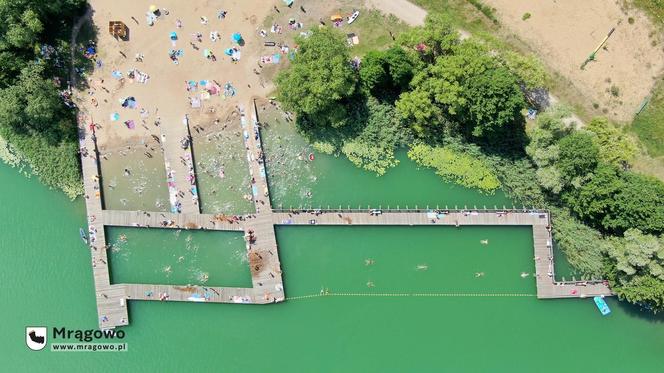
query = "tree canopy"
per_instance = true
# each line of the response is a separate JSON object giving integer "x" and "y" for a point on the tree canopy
{"x": 469, "y": 86}
{"x": 319, "y": 79}
{"x": 616, "y": 201}
{"x": 34, "y": 66}
{"x": 387, "y": 73}
{"x": 436, "y": 38}
{"x": 614, "y": 146}
{"x": 638, "y": 275}
{"x": 578, "y": 155}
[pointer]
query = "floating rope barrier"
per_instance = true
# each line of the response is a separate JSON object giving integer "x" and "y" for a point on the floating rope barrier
{"x": 460, "y": 295}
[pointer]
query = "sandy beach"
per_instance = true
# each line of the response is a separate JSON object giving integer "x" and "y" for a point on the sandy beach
{"x": 163, "y": 97}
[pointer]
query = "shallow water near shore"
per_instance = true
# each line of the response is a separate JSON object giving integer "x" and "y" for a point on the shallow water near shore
{"x": 378, "y": 326}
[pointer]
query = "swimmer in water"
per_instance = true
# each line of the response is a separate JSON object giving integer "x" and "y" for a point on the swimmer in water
{"x": 422, "y": 267}
{"x": 524, "y": 274}
{"x": 123, "y": 238}
{"x": 479, "y": 274}
{"x": 484, "y": 242}
{"x": 368, "y": 262}
{"x": 370, "y": 284}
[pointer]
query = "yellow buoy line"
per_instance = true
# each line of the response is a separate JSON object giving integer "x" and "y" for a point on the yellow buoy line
{"x": 327, "y": 294}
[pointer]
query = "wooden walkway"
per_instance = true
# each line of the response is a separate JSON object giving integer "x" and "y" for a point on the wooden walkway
{"x": 547, "y": 286}
{"x": 179, "y": 162}
{"x": 111, "y": 305}
{"x": 261, "y": 243}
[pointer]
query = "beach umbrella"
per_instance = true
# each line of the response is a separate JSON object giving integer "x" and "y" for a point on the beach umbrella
{"x": 288, "y": 2}
{"x": 207, "y": 53}
{"x": 153, "y": 8}
{"x": 228, "y": 51}
{"x": 174, "y": 36}
{"x": 115, "y": 117}
{"x": 236, "y": 37}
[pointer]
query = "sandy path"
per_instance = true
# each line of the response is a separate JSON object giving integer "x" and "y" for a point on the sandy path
{"x": 565, "y": 32}
{"x": 403, "y": 9}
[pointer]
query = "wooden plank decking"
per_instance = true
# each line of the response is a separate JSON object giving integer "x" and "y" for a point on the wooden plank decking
{"x": 262, "y": 249}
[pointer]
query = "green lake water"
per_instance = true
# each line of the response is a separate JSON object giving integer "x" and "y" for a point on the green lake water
{"x": 222, "y": 171}
{"x": 143, "y": 187}
{"x": 47, "y": 280}
{"x": 178, "y": 257}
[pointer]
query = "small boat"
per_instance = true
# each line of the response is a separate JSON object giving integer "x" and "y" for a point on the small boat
{"x": 353, "y": 16}
{"x": 81, "y": 232}
{"x": 602, "y": 306}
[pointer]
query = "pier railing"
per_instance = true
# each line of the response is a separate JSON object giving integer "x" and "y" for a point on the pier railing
{"x": 406, "y": 209}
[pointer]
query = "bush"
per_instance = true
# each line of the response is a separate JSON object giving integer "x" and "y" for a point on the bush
{"x": 525, "y": 16}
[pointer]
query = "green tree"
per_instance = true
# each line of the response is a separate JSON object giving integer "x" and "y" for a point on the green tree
{"x": 373, "y": 148}
{"x": 33, "y": 106}
{"x": 436, "y": 38}
{"x": 386, "y": 73}
{"x": 320, "y": 79}
{"x": 614, "y": 146}
{"x": 615, "y": 201}
{"x": 638, "y": 273}
{"x": 415, "y": 107}
{"x": 640, "y": 204}
{"x": 543, "y": 147}
{"x": 34, "y": 120}
{"x": 401, "y": 66}
{"x": 528, "y": 69}
{"x": 578, "y": 155}
{"x": 470, "y": 87}
{"x": 594, "y": 201}
{"x": 373, "y": 74}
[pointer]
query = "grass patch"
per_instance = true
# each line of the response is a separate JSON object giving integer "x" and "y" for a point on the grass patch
{"x": 488, "y": 11}
{"x": 654, "y": 8}
{"x": 649, "y": 125}
{"x": 461, "y": 13}
{"x": 375, "y": 30}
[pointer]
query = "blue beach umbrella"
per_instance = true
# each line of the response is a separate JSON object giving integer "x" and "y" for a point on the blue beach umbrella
{"x": 236, "y": 37}
{"x": 228, "y": 51}
{"x": 174, "y": 36}
{"x": 115, "y": 117}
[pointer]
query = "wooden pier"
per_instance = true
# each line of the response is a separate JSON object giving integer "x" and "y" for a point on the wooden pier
{"x": 539, "y": 220}
{"x": 262, "y": 249}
